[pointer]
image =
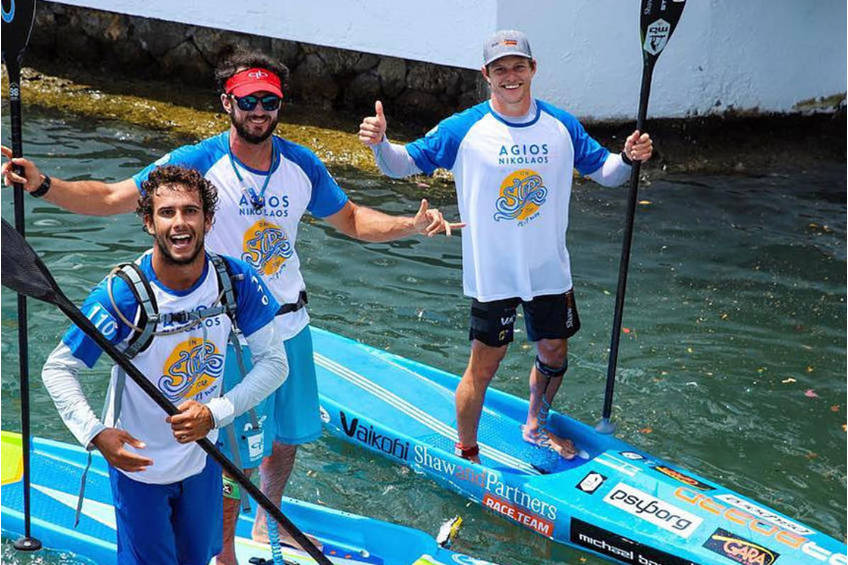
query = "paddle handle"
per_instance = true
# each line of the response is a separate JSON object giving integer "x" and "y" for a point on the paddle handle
{"x": 77, "y": 317}
{"x": 624, "y": 264}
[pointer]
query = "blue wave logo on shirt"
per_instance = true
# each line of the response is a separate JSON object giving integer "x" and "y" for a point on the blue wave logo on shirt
{"x": 521, "y": 195}
{"x": 191, "y": 368}
{"x": 266, "y": 247}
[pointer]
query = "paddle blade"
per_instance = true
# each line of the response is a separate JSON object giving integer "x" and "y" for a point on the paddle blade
{"x": 18, "y": 16}
{"x": 658, "y": 21}
{"x": 23, "y": 271}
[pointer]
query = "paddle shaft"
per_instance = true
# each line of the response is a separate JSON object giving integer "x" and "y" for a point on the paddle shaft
{"x": 154, "y": 393}
{"x": 624, "y": 264}
{"x": 23, "y": 338}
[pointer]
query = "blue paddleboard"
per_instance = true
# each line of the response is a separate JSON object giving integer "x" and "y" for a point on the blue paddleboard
{"x": 618, "y": 502}
{"x": 347, "y": 539}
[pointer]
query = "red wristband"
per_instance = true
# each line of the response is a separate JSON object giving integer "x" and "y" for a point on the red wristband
{"x": 466, "y": 452}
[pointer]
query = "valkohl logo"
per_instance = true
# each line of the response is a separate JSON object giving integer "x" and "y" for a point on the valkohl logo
{"x": 374, "y": 440}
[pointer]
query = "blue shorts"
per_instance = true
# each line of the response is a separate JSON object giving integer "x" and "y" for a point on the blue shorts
{"x": 165, "y": 524}
{"x": 290, "y": 415}
{"x": 296, "y": 408}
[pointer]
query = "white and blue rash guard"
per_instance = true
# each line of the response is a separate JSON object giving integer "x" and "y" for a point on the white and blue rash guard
{"x": 513, "y": 184}
{"x": 263, "y": 237}
{"x": 185, "y": 365}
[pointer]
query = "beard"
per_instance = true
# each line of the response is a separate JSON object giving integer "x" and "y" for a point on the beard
{"x": 168, "y": 257}
{"x": 241, "y": 128}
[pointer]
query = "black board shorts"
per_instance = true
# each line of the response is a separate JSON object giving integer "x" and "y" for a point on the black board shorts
{"x": 552, "y": 316}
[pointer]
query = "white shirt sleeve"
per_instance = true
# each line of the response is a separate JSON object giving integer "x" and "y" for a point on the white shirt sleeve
{"x": 60, "y": 379}
{"x": 394, "y": 160}
{"x": 613, "y": 172}
{"x": 270, "y": 370}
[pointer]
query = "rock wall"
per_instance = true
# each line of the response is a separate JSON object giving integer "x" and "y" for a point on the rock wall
{"x": 328, "y": 77}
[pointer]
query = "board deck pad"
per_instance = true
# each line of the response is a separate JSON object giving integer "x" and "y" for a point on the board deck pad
{"x": 617, "y": 502}
{"x": 432, "y": 420}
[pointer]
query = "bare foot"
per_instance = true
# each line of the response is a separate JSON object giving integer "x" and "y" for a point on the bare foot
{"x": 562, "y": 446}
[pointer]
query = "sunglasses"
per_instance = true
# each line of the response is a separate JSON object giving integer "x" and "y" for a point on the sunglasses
{"x": 247, "y": 103}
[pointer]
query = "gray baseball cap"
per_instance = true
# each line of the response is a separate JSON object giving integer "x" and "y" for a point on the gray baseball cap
{"x": 506, "y": 42}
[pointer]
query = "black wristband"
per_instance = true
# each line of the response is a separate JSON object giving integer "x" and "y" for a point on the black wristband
{"x": 626, "y": 159}
{"x": 42, "y": 188}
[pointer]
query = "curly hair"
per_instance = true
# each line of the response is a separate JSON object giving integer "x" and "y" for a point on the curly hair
{"x": 241, "y": 58}
{"x": 175, "y": 177}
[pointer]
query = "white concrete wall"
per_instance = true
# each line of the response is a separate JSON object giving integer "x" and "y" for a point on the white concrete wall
{"x": 746, "y": 54}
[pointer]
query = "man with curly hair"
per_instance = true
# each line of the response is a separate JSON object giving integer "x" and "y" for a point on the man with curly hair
{"x": 166, "y": 490}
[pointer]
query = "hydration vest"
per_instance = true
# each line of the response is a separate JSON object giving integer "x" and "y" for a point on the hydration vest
{"x": 144, "y": 331}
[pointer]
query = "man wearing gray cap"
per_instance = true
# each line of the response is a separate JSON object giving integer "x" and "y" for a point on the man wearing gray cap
{"x": 512, "y": 158}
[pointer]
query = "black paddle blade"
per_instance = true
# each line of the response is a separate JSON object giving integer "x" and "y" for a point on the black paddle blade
{"x": 23, "y": 271}
{"x": 18, "y": 16}
{"x": 659, "y": 18}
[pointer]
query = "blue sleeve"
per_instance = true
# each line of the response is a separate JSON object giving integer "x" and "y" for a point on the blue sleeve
{"x": 200, "y": 156}
{"x": 256, "y": 306}
{"x": 439, "y": 147}
{"x": 327, "y": 196}
{"x": 98, "y": 308}
{"x": 589, "y": 155}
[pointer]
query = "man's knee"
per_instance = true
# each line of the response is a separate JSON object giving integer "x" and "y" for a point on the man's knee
{"x": 485, "y": 360}
{"x": 552, "y": 352}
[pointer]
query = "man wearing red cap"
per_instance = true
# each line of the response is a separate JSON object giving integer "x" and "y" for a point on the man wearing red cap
{"x": 265, "y": 185}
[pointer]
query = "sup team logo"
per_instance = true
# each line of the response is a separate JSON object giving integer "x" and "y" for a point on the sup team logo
{"x": 192, "y": 367}
{"x": 266, "y": 247}
{"x": 521, "y": 195}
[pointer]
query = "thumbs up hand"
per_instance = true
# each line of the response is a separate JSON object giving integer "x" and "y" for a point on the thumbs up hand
{"x": 373, "y": 128}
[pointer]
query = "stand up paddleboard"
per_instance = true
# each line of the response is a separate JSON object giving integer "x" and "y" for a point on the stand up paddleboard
{"x": 618, "y": 502}
{"x": 347, "y": 539}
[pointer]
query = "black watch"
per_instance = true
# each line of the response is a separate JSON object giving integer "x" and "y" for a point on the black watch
{"x": 626, "y": 159}
{"x": 42, "y": 188}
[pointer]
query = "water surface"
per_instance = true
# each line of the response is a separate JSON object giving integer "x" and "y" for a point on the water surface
{"x": 733, "y": 362}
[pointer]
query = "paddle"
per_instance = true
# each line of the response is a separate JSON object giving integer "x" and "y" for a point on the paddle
{"x": 17, "y": 24}
{"x": 24, "y": 272}
{"x": 658, "y": 20}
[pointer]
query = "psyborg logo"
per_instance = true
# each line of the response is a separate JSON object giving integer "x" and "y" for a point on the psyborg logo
{"x": 653, "y": 510}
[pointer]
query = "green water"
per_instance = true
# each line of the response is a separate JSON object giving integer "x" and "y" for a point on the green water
{"x": 737, "y": 284}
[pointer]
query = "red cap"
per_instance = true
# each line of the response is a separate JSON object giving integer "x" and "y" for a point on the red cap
{"x": 253, "y": 80}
